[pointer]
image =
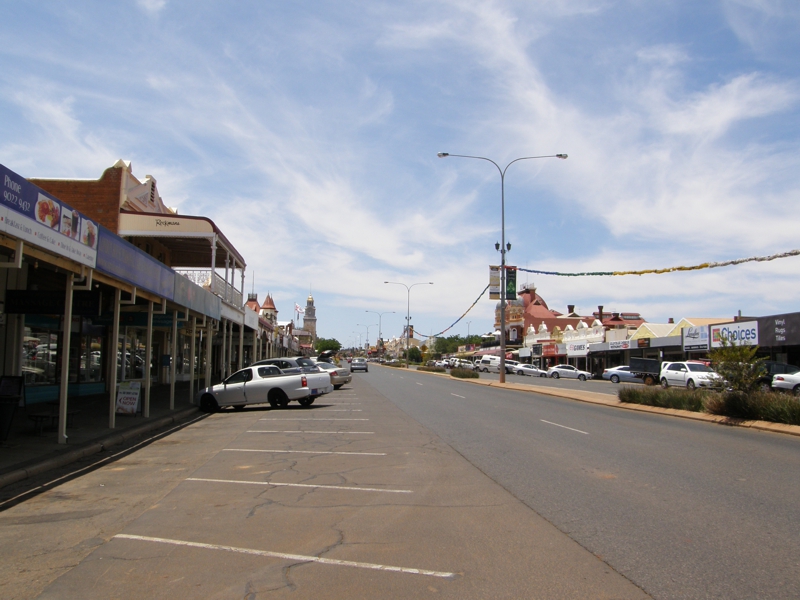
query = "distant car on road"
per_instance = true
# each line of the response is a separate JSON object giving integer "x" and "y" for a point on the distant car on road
{"x": 623, "y": 373}
{"x": 568, "y": 372}
{"x": 530, "y": 370}
{"x": 359, "y": 364}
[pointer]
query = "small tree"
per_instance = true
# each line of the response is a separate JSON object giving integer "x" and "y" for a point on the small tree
{"x": 414, "y": 355}
{"x": 328, "y": 344}
{"x": 738, "y": 365}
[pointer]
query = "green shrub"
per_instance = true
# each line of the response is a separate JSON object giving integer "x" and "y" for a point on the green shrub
{"x": 431, "y": 369}
{"x": 668, "y": 398}
{"x": 463, "y": 373}
{"x": 752, "y": 406}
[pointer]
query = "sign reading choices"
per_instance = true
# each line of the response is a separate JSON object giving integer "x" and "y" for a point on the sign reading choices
{"x": 736, "y": 334}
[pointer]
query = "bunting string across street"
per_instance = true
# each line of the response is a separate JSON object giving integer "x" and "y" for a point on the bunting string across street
{"x": 706, "y": 265}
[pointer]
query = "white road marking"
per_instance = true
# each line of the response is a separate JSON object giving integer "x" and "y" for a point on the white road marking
{"x": 457, "y": 396}
{"x": 418, "y": 383}
{"x": 302, "y": 485}
{"x": 303, "y": 431}
{"x": 564, "y": 426}
{"x": 304, "y": 452}
{"x": 290, "y": 419}
{"x": 297, "y": 557}
{"x": 343, "y": 410}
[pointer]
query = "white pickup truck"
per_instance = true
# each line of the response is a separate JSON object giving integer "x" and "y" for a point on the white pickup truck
{"x": 319, "y": 382}
{"x": 256, "y": 385}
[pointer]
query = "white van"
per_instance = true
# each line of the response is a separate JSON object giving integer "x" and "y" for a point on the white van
{"x": 489, "y": 364}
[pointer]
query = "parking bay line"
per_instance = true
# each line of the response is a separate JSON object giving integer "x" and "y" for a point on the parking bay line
{"x": 343, "y": 410}
{"x": 564, "y": 427}
{"x": 304, "y": 452}
{"x": 290, "y": 419}
{"x": 283, "y": 555}
{"x": 457, "y": 396}
{"x": 303, "y": 431}
{"x": 302, "y": 485}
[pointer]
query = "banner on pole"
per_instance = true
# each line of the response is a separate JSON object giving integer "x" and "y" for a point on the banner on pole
{"x": 494, "y": 283}
{"x": 511, "y": 283}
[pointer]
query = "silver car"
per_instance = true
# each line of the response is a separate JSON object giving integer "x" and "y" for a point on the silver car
{"x": 256, "y": 385}
{"x": 339, "y": 375}
{"x": 523, "y": 369}
{"x": 359, "y": 364}
{"x": 568, "y": 372}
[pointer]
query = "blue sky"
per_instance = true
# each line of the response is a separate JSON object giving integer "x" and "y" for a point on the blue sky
{"x": 308, "y": 132}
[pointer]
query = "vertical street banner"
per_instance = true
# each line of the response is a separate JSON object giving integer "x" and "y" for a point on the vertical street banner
{"x": 494, "y": 283}
{"x": 511, "y": 283}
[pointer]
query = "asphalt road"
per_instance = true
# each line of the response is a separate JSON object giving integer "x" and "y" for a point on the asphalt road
{"x": 683, "y": 509}
{"x": 351, "y": 498}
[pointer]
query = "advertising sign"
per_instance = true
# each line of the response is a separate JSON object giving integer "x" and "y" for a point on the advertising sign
{"x": 511, "y": 283}
{"x": 577, "y": 349}
{"x": 29, "y": 213}
{"x": 619, "y": 345}
{"x": 694, "y": 338}
{"x": 128, "y": 397}
{"x": 779, "y": 330}
{"x": 494, "y": 283}
{"x": 737, "y": 334}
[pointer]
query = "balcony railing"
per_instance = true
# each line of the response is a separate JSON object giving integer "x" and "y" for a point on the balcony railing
{"x": 210, "y": 280}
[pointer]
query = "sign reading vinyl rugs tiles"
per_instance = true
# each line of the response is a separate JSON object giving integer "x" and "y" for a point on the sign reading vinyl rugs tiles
{"x": 29, "y": 213}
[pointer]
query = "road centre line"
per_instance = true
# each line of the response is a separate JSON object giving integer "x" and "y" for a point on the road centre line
{"x": 302, "y": 485}
{"x": 294, "y": 557}
{"x": 303, "y": 431}
{"x": 290, "y": 419}
{"x": 457, "y": 396}
{"x": 304, "y": 452}
{"x": 564, "y": 426}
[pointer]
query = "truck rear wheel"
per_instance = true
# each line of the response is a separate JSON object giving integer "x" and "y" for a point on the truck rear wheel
{"x": 278, "y": 399}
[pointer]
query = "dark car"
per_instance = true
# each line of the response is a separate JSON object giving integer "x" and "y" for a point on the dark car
{"x": 773, "y": 368}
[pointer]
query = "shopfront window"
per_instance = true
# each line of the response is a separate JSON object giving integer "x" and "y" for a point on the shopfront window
{"x": 40, "y": 355}
{"x": 131, "y": 354}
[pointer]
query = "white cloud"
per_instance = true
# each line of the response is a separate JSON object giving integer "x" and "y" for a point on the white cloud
{"x": 151, "y": 7}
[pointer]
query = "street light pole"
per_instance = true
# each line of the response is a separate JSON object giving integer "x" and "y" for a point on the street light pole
{"x": 367, "y": 326}
{"x": 408, "y": 309}
{"x": 502, "y": 247}
{"x": 380, "y": 328}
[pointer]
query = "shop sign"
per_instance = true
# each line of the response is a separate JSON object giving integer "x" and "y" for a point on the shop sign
{"x": 694, "y": 339}
{"x": 737, "y": 334}
{"x": 549, "y": 349}
{"x": 524, "y": 352}
{"x": 619, "y": 345}
{"x": 578, "y": 349}
{"x": 779, "y": 330}
{"x": 536, "y": 349}
{"x": 32, "y": 215}
{"x": 643, "y": 343}
{"x": 494, "y": 283}
{"x": 128, "y": 397}
{"x": 125, "y": 261}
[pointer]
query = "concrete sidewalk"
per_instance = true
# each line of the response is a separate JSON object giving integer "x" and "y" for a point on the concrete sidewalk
{"x": 28, "y": 452}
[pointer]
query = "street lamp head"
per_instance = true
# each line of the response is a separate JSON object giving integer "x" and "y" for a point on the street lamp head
{"x": 561, "y": 156}
{"x": 497, "y": 246}
{"x": 446, "y": 154}
{"x": 508, "y": 246}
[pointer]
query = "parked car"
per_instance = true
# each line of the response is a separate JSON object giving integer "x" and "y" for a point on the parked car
{"x": 339, "y": 375}
{"x": 511, "y": 365}
{"x": 489, "y": 363}
{"x": 788, "y": 382}
{"x": 359, "y": 364}
{"x": 773, "y": 368}
{"x": 568, "y": 372}
{"x": 623, "y": 373}
{"x": 689, "y": 374}
{"x": 530, "y": 370}
{"x": 256, "y": 385}
{"x": 319, "y": 381}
